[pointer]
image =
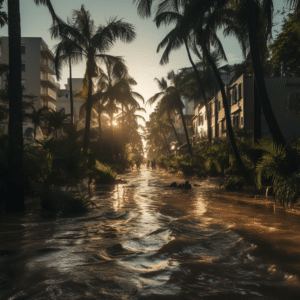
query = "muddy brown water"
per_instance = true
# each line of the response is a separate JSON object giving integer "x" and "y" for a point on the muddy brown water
{"x": 149, "y": 241}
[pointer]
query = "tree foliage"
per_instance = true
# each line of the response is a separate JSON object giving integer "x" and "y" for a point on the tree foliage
{"x": 286, "y": 49}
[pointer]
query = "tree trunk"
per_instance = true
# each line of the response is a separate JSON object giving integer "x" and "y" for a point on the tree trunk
{"x": 167, "y": 145}
{"x": 99, "y": 121}
{"x": 177, "y": 137}
{"x": 14, "y": 197}
{"x": 186, "y": 134}
{"x": 227, "y": 113}
{"x": 209, "y": 135}
{"x": 256, "y": 113}
{"x": 260, "y": 80}
{"x": 88, "y": 116}
{"x": 71, "y": 92}
{"x": 34, "y": 131}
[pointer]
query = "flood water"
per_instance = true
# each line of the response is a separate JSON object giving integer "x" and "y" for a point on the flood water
{"x": 149, "y": 241}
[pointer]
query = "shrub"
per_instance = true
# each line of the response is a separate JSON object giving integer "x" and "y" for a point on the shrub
{"x": 103, "y": 173}
{"x": 61, "y": 202}
{"x": 233, "y": 183}
{"x": 282, "y": 165}
{"x": 186, "y": 168}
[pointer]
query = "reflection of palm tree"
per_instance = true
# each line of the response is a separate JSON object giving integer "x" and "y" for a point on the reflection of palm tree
{"x": 57, "y": 120}
{"x": 91, "y": 43}
{"x": 37, "y": 117}
{"x": 15, "y": 158}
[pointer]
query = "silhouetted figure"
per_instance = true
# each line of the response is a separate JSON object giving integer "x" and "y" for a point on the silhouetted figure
{"x": 138, "y": 164}
{"x": 153, "y": 164}
{"x": 148, "y": 164}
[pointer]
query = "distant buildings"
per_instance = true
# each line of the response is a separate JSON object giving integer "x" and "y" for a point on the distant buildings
{"x": 63, "y": 97}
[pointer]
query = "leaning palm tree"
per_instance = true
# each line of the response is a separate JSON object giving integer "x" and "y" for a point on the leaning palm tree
{"x": 37, "y": 117}
{"x": 171, "y": 98}
{"x": 166, "y": 108}
{"x": 91, "y": 43}
{"x": 15, "y": 199}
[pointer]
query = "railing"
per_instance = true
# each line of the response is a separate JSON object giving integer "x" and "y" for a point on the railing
{"x": 46, "y": 76}
{"x": 47, "y": 63}
{"x": 48, "y": 92}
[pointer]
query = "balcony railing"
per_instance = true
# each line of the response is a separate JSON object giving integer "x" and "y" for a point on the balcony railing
{"x": 45, "y": 50}
{"x": 47, "y": 65}
{"x": 49, "y": 80}
{"x": 48, "y": 93}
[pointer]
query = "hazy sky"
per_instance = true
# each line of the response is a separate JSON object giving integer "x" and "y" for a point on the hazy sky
{"x": 140, "y": 55}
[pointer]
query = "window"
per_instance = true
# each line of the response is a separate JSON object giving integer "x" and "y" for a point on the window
{"x": 67, "y": 95}
{"x": 23, "y": 66}
{"x": 240, "y": 91}
{"x": 23, "y": 83}
{"x": 23, "y": 49}
{"x": 219, "y": 105}
{"x": 201, "y": 119}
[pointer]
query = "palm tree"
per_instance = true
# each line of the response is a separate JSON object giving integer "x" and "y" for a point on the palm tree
{"x": 130, "y": 118}
{"x": 57, "y": 120}
{"x": 15, "y": 202}
{"x": 166, "y": 108}
{"x": 91, "y": 43}
{"x": 37, "y": 116}
{"x": 171, "y": 97}
{"x": 64, "y": 54}
{"x": 174, "y": 39}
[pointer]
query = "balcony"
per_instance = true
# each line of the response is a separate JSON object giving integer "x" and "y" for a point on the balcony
{"x": 48, "y": 94}
{"x": 46, "y": 52}
{"x": 49, "y": 81}
{"x": 47, "y": 66}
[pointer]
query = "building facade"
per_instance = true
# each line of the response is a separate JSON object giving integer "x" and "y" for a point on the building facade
{"x": 37, "y": 71}
{"x": 63, "y": 97}
{"x": 240, "y": 103}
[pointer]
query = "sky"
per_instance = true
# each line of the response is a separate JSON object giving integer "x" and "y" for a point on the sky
{"x": 140, "y": 55}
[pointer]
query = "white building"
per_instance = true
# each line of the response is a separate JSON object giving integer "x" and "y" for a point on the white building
{"x": 37, "y": 71}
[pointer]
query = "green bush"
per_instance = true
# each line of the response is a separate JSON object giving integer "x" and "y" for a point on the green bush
{"x": 282, "y": 166}
{"x": 186, "y": 168}
{"x": 233, "y": 183}
{"x": 61, "y": 202}
{"x": 103, "y": 173}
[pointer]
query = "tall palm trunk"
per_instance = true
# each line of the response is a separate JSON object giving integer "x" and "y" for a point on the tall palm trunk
{"x": 99, "y": 122}
{"x": 86, "y": 139}
{"x": 260, "y": 80}
{"x": 15, "y": 194}
{"x": 227, "y": 113}
{"x": 177, "y": 137}
{"x": 203, "y": 93}
{"x": 256, "y": 113}
{"x": 71, "y": 92}
{"x": 186, "y": 134}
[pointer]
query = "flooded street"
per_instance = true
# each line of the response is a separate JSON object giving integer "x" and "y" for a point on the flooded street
{"x": 149, "y": 241}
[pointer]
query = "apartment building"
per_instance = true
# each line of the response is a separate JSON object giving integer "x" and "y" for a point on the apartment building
{"x": 63, "y": 97}
{"x": 37, "y": 71}
{"x": 240, "y": 102}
